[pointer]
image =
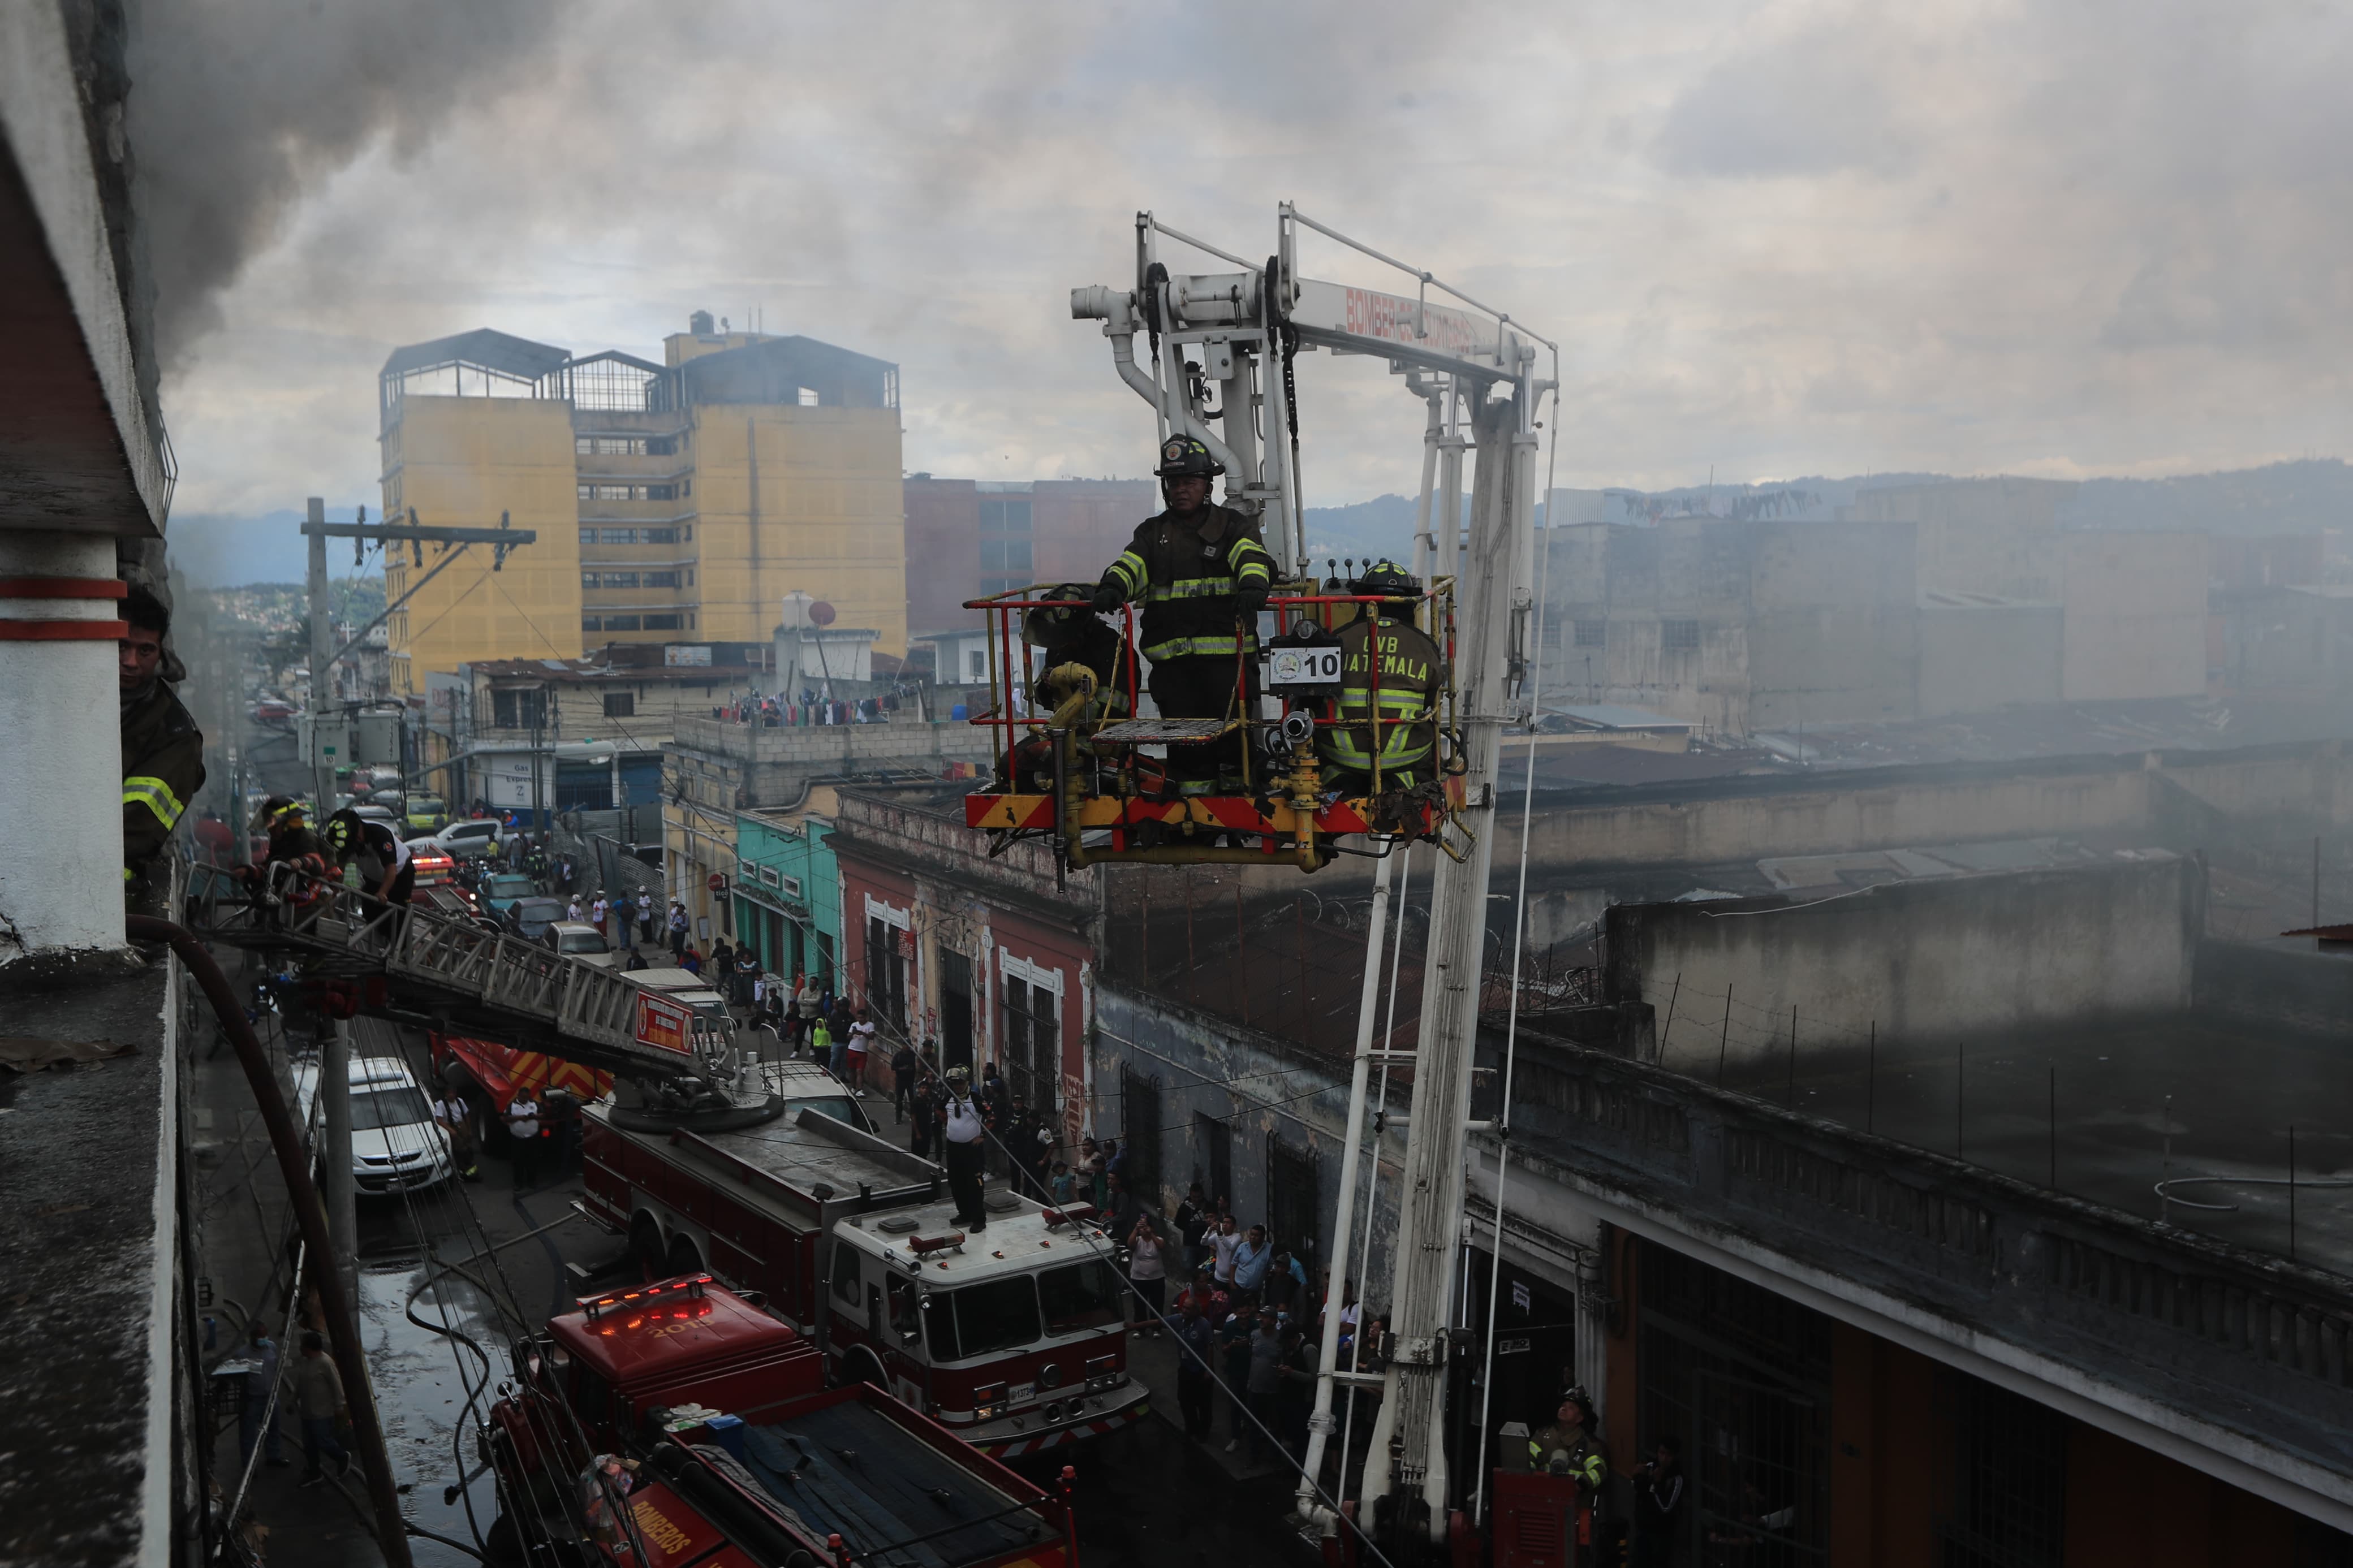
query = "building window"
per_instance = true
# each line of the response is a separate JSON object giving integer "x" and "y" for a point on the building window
{"x": 609, "y": 579}
{"x": 1004, "y": 514}
{"x": 661, "y": 579}
{"x": 610, "y": 536}
{"x": 1139, "y": 1126}
{"x": 886, "y": 972}
{"x": 807, "y": 398}
{"x": 687, "y": 533}
{"x": 1033, "y": 1048}
{"x": 1294, "y": 1206}
{"x": 2009, "y": 1485}
{"x": 518, "y": 710}
{"x": 661, "y": 623}
{"x": 661, "y": 446}
{"x": 620, "y": 704}
{"x": 661, "y": 492}
{"x": 1006, "y": 555}
{"x": 621, "y": 623}
{"x": 592, "y": 623}
{"x": 980, "y": 662}
{"x": 1595, "y": 634}
{"x": 587, "y": 536}
{"x": 1679, "y": 636}
{"x": 1552, "y": 631}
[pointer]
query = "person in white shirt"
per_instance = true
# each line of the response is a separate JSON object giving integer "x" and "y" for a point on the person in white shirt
{"x": 572, "y": 911}
{"x": 966, "y": 1145}
{"x": 646, "y": 916}
{"x": 861, "y": 1040}
{"x": 457, "y": 1125}
{"x": 1223, "y": 1245}
{"x": 596, "y": 914}
{"x": 523, "y": 1127}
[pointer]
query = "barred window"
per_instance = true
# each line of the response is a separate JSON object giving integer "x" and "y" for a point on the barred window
{"x": 1679, "y": 636}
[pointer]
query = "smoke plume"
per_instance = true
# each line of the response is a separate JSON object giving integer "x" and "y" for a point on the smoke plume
{"x": 241, "y": 108}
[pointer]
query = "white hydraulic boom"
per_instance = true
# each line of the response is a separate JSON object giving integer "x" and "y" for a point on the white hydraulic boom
{"x": 1476, "y": 369}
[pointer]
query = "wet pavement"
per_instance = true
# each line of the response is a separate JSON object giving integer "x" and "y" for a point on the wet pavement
{"x": 1144, "y": 1494}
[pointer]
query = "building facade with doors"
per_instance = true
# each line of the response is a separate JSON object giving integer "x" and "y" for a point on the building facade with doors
{"x": 787, "y": 892}
{"x": 679, "y": 498}
{"x": 983, "y": 956}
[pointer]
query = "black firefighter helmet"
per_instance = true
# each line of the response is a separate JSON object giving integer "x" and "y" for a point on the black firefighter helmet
{"x": 1393, "y": 582}
{"x": 1047, "y": 625}
{"x": 1185, "y": 455}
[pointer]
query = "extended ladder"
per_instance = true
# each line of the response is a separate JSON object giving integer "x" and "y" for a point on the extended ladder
{"x": 467, "y": 978}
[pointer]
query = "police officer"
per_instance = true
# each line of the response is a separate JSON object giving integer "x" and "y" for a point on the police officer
{"x": 1203, "y": 574}
{"x": 963, "y": 1125}
{"x": 1390, "y": 673}
{"x": 387, "y": 869}
{"x": 163, "y": 750}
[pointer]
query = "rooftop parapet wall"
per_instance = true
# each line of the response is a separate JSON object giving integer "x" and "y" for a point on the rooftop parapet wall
{"x": 2232, "y": 1361}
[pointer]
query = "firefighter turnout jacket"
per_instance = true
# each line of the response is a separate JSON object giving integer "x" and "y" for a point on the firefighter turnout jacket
{"x": 1395, "y": 680}
{"x": 1565, "y": 1448}
{"x": 163, "y": 768}
{"x": 1186, "y": 570}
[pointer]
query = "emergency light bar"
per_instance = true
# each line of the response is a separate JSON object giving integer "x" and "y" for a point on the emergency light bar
{"x": 920, "y": 1245}
{"x": 691, "y": 1287}
{"x": 1069, "y": 1214}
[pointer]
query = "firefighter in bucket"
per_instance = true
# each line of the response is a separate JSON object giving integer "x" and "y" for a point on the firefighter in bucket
{"x": 1391, "y": 672}
{"x": 1203, "y": 574}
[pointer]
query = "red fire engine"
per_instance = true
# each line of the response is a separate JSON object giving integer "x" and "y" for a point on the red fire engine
{"x": 1014, "y": 1338}
{"x": 736, "y": 1452}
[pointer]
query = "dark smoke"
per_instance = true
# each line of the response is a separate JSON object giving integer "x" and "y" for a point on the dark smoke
{"x": 240, "y": 108}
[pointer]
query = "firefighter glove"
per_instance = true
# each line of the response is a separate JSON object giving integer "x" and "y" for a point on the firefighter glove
{"x": 1107, "y": 598}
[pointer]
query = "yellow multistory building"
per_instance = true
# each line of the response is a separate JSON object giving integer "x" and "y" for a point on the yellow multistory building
{"x": 674, "y": 502}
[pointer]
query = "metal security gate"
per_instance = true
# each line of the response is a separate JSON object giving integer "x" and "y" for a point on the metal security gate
{"x": 1139, "y": 1101}
{"x": 1758, "y": 1487}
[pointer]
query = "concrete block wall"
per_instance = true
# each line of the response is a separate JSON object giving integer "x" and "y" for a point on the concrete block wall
{"x": 1919, "y": 961}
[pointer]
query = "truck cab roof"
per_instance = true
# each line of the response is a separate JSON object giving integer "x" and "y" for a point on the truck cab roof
{"x": 1021, "y": 1239}
{"x": 650, "y": 1336}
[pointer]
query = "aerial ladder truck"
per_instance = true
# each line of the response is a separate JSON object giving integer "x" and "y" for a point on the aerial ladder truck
{"x": 1237, "y": 333}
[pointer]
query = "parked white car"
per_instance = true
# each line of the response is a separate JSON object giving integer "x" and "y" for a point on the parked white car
{"x": 396, "y": 1147}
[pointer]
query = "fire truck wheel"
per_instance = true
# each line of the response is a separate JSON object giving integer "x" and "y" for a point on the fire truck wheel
{"x": 646, "y": 1245}
{"x": 683, "y": 1258}
{"x": 502, "y": 1542}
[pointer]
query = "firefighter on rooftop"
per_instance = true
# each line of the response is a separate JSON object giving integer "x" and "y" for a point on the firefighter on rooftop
{"x": 1203, "y": 574}
{"x": 163, "y": 750}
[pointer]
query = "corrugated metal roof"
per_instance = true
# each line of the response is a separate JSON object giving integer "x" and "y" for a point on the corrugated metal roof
{"x": 484, "y": 346}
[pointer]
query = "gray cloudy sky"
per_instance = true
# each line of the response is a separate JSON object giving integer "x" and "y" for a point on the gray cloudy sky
{"x": 2096, "y": 238}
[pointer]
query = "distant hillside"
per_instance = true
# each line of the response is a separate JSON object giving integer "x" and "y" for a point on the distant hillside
{"x": 2302, "y": 497}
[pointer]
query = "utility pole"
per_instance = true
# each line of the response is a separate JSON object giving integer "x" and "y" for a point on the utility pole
{"x": 335, "y": 1154}
{"x": 323, "y": 643}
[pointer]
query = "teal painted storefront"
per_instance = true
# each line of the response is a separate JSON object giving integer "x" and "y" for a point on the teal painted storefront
{"x": 789, "y": 895}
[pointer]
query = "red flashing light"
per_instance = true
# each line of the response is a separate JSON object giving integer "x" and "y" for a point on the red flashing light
{"x": 1069, "y": 1214}
{"x": 920, "y": 1245}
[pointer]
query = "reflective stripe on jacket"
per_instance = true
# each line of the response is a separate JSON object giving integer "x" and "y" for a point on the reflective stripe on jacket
{"x": 1410, "y": 674}
{"x": 163, "y": 769}
{"x": 1186, "y": 571}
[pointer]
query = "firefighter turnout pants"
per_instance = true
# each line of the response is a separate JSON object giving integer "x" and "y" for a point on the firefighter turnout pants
{"x": 1203, "y": 687}
{"x": 964, "y": 1163}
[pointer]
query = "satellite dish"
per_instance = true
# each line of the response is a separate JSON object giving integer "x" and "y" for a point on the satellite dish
{"x": 820, "y": 613}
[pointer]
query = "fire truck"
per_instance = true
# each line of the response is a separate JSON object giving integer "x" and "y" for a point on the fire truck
{"x": 485, "y": 1075}
{"x": 678, "y": 1423}
{"x": 1014, "y": 1337}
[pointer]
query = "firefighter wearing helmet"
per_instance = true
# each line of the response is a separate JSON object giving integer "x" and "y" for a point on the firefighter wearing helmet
{"x": 1390, "y": 674}
{"x": 1203, "y": 574}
